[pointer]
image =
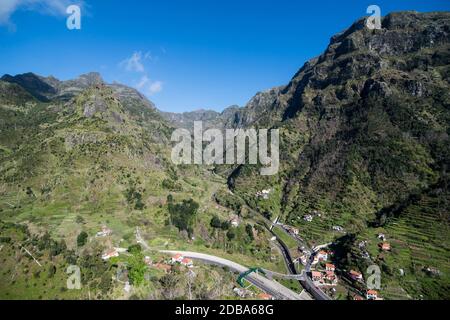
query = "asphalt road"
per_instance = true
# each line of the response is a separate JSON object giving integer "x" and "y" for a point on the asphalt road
{"x": 271, "y": 287}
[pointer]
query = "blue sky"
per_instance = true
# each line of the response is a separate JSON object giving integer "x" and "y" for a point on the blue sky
{"x": 184, "y": 55}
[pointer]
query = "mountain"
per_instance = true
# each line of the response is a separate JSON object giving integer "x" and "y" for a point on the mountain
{"x": 364, "y": 127}
{"x": 232, "y": 117}
{"x": 364, "y": 152}
{"x": 79, "y": 155}
{"x": 35, "y": 85}
{"x": 229, "y": 118}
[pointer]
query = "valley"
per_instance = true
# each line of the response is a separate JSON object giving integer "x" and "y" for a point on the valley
{"x": 87, "y": 180}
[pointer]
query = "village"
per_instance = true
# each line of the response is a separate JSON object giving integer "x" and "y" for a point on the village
{"x": 166, "y": 265}
{"x": 318, "y": 263}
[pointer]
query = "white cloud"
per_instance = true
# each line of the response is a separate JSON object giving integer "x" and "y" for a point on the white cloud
{"x": 143, "y": 82}
{"x": 133, "y": 63}
{"x": 149, "y": 87}
{"x": 49, "y": 7}
{"x": 155, "y": 87}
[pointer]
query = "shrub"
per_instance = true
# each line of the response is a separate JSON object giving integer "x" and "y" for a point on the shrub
{"x": 82, "y": 239}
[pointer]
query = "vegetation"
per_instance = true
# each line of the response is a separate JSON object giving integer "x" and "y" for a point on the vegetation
{"x": 82, "y": 239}
{"x": 182, "y": 214}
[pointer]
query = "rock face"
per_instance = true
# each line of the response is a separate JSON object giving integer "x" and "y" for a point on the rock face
{"x": 368, "y": 87}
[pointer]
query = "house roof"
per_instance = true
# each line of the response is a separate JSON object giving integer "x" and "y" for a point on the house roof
{"x": 111, "y": 251}
{"x": 330, "y": 265}
{"x": 385, "y": 245}
{"x": 264, "y": 296}
{"x": 316, "y": 274}
{"x": 372, "y": 292}
{"x": 186, "y": 260}
{"x": 355, "y": 273}
{"x": 178, "y": 256}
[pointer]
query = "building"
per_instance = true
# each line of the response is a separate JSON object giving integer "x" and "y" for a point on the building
{"x": 308, "y": 218}
{"x": 382, "y": 236}
{"x": 111, "y": 253}
{"x": 291, "y": 230}
{"x": 330, "y": 267}
{"x": 234, "y": 222}
{"x": 330, "y": 276}
{"x": 187, "y": 262}
{"x": 385, "y": 246}
{"x": 316, "y": 276}
{"x": 355, "y": 275}
{"x": 265, "y": 296}
{"x": 263, "y": 194}
{"x": 104, "y": 232}
{"x": 315, "y": 260}
{"x": 303, "y": 259}
{"x": 372, "y": 295}
{"x": 322, "y": 255}
{"x": 338, "y": 228}
{"x": 148, "y": 261}
{"x": 177, "y": 258}
{"x": 242, "y": 293}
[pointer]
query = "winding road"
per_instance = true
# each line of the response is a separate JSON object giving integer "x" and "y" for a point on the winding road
{"x": 275, "y": 289}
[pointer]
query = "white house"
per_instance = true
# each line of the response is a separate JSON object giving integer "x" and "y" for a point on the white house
{"x": 316, "y": 276}
{"x": 234, "y": 222}
{"x": 355, "y": 275}
{"x": 111, "y": 253}
{"x": 322, "y": 255}
{"x": 187, "y": 262}
{"x": 177, "y": 258}
{"x": 372, "y": 295}
{"x": 330, "y": 267}
{"x": 104, "y": 232}
{"x": 148, "y": 260}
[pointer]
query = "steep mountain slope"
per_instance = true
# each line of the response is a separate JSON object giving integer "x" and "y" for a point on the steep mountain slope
{"x": 90, "y": 155}
{"x": 363, "y": 127}
{"x": 62, "y": 146}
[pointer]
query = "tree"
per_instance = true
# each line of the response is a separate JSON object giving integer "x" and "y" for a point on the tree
{"x": 136, "y": 267}
{"x": 231, "y": 234}
{"x": 82, "y": 239}
{"x": 79, "y": 219}
{"x": 216, "y": 223}
{"x": 51, "y": 271}
{"x": 249, "y": 230}
{"x": 182, "y": 214}
{"x": 225, "y": 225}
{"x": 135, "y": 248}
